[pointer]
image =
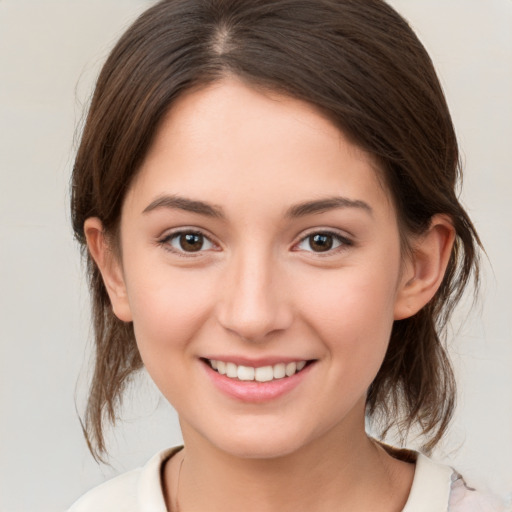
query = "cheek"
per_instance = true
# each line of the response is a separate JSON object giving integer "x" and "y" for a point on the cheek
{"x": 168, "y": 308}
{"x": 352, "y": 311}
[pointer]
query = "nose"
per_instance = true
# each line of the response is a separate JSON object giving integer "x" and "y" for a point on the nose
{"x": 254, "y": 302}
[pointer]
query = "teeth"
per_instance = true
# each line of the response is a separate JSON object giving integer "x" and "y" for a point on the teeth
{"x": 231, "y": 370}
{"x": 264, "y": 374}
{"x": 260, "y": 374}
{"x": 291, "y": 368}
{"x": 245, "y": 373}
{"x": 279, "y": 371}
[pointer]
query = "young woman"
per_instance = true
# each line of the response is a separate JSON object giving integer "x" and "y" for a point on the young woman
{"x": 265, "y": 192}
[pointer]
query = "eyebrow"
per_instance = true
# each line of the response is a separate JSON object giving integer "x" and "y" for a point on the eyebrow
{"x": 323, "y": 205}
{"x": 299, "y": 210}
{"x": 188, "y": 205}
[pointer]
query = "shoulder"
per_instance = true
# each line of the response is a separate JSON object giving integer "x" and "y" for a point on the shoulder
{"x": 465, "y": 499}
{"x": 116, "y": 494}
{"x": 438, "y": 487}
{"x": 126, "y": 492}
{"x": 430, "y": 487}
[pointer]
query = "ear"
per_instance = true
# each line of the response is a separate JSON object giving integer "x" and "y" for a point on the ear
{"x": 109, "y": 266}
{"x": 425, "y": 267}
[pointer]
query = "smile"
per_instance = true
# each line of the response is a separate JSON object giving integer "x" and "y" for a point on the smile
{"x": 259, "y": 374}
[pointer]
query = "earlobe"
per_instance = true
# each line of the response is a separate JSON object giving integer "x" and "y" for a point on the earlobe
{"x": 109, "y": 266}
{"x": 424, "y": 271}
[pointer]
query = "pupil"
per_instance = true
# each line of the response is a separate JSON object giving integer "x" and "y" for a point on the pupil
{"x": 191, "y": 242}
{"x": 321, "y": 243}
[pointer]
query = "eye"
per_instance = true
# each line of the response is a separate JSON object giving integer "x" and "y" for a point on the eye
{"x": 187, "y": 242}
{"x": 322, "y": 242}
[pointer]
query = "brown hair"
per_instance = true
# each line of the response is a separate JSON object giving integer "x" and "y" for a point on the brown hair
{"x": 358, "y": 62}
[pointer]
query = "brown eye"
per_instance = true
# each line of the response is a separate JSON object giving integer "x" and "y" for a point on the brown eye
{"x": 322, "y": 242}
{"x": 189, "y": 241}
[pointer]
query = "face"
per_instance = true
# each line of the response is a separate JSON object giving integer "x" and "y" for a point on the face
{"x": 258, "y": 241}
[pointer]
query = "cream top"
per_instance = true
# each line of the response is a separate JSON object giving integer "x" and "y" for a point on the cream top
{"x": 435, "y": 488}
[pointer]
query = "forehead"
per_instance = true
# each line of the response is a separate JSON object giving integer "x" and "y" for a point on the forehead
{"x": 233, "y": 143}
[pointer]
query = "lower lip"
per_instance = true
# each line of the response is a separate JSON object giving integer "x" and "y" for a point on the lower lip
{"x": 253, "y": 391}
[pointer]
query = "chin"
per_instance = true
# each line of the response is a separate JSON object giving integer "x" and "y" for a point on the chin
{"x": 259, "y": 442}
{"x": 259, "y": 449}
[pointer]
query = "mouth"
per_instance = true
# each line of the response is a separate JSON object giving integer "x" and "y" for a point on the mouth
{"x": 267, "y": 373}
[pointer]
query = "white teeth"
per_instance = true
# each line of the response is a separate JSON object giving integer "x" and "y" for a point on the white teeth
{"x": 245, "y": 373}
{"x": 231, "y": 370}
{"x": 221, "y": 367}
{"x": 279, "y": 371}
{"x": 264, "y": 374}
{"x": 300, "y": 365}
{"x": 291, "y": 368}
{"x": 260, "y": 374}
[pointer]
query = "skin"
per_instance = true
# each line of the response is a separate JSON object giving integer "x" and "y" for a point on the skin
{"x": 259, "y": 287}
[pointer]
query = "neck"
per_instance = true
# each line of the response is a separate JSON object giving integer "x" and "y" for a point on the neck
{"x": 352, "y": 474}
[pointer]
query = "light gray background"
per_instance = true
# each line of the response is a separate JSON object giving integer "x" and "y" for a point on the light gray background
{"x": 50, "y": 53}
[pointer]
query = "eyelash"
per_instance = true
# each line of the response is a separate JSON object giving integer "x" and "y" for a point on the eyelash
{"x": 343, "y": 242}
{"x": 165, "y": 242}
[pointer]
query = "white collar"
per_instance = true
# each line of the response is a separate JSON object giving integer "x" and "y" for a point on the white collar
{"x": 430, "y": 491}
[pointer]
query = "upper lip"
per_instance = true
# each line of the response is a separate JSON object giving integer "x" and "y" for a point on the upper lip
{"x": 255, "y": 362}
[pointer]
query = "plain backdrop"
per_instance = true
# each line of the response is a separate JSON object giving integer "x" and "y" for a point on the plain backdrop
{"x": 50, "y": 54}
